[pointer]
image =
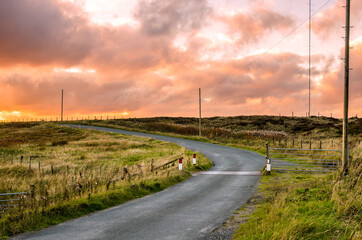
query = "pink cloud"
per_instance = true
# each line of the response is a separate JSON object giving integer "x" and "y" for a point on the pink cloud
{"x": 255, "y": 25}
{"x": 334, "y": 17}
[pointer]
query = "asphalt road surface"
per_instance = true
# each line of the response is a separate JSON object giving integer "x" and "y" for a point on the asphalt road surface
{"x": 188, "y": 210}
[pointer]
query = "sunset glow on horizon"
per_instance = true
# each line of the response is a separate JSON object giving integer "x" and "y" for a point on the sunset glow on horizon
{"x": 148, "y": 58}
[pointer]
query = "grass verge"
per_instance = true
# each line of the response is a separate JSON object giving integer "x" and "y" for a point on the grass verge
{"x": 301, "y": 206}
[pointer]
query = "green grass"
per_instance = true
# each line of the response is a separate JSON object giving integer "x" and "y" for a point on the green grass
{"x": 308, "y": 206}
{"x": 300, "y": 206}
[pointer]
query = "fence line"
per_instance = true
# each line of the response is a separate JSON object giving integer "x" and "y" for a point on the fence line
{"x": 79, "y": 181}
{"x": 109, "y": 117}
{"x": 67, "y": 119}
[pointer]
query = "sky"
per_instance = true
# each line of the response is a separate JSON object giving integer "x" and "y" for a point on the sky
{"x": 149, "y": 58}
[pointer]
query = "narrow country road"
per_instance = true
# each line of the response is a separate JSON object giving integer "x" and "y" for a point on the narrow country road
{"x": 188, "y": 210}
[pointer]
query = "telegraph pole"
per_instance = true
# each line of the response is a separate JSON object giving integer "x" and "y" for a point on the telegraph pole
{"x": 61, "y": 114}
{"x": 310, "y": 40}
{"x": 199, "y": 111}
{"x": 345, "y": 152}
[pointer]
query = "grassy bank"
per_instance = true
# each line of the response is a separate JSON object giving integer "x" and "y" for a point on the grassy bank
{"x": 70, "y": 172}
{"x": 308, "y": 206}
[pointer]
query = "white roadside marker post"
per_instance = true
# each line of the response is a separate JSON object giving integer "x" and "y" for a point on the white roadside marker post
{"x": 268, "y": 161}
{"x": 268, "y": 166}
{"x": 180, "y": 164}
{"x": 194, "y": 159}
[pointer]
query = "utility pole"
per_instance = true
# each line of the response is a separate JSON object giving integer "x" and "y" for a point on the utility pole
{"x": 345, "y": 152}
{"x": 61, "y": 114}
{"x": 199, "y": 111}
{"x": 310, "y": 40}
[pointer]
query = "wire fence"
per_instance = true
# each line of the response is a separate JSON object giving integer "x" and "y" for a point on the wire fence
{"x": 65, "y": 119}
{"x": 52, "y": 184}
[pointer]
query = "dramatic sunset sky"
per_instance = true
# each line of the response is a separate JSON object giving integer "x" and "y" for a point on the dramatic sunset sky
{"x": 149, "y": 57}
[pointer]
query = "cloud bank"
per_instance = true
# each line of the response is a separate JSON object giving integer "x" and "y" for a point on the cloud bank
{"x": 51, "y": 45}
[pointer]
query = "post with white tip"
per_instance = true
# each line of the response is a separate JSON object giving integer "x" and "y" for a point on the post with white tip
{"x": 268, "y": 161}
{"x": 268, "y": 166}
{"x": 194, "y": 157}
{"x": 180, "y": 164}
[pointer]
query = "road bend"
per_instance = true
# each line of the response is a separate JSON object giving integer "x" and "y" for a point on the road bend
{"x": 188, "y": 210}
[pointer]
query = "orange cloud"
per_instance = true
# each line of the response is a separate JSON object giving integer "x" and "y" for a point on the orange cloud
{"x": 254, "y": 25}
{"x": 325, "y": 23}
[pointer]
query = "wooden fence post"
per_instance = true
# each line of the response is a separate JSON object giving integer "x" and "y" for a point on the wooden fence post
{"x": 139, "y": 166}
{"x": 32, "y": 192}
{"x": 72, "y": 184}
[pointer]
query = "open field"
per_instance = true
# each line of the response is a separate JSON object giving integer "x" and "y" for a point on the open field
{"x": 318, "y": 127}
{"x": 248, "y": 132}
{"x": 70, "y": 172}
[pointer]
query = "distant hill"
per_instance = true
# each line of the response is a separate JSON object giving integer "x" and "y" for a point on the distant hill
{"x": 321, "y": 127}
